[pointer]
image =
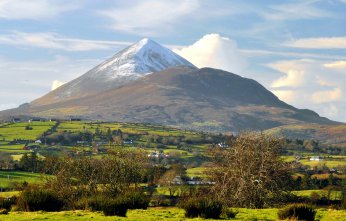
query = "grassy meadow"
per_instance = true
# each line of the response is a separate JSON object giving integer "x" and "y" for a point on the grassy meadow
{"x": 7, "y": 178}
{"x": 160, "y": 213}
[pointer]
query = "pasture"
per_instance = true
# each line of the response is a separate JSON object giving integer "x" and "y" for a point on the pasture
{"x": 17, "y": 131}
{"x": 9, "y": 177}
{"x": 159, "y": 213}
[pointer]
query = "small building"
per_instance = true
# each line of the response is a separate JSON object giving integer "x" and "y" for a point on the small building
{"x": 222, "y": 145}
{"x": 316, "y": 158}
{"x": 177, "y": 180}
{"x": 38, "y": 141}
{"x": 128, "y": 142}
{"x": 157, "y": 155}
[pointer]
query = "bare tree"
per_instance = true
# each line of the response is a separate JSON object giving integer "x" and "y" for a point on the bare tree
{"x": 250, "y": 173}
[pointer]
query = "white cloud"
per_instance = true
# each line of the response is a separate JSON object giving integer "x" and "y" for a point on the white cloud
{"x": 309, "y": 84}
{"x": 294, "y": 78}
{"x": 55, "y": 41}
{"x": 215, "y": 51}
{"x": 289, "y": 96}
{"x": 34, "y": 9}
{"x": 321, "y": 97}
{"x": 295, "y": 11}
{"x": 33, "y": 78}
{"x": 303, "y": 55}
{"x": 318, "y": 43}
{"x": 149, "y": 17}
{"x": 56, "y": 84}
{"x": 338, "y": 65}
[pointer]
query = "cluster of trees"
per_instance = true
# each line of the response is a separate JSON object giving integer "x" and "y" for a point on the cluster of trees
{"x": 114, "y": 174}
{"x": 312, "y": 146}
{"x": 68, "y": 138}
{"x": 309, "y": 182}
{"x": 29, "y": 162}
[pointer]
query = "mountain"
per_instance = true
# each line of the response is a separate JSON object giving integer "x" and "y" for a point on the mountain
{"x": 135, "y": 61}
{"x": 202, "y": 99}
{"x": 334, "y": 135}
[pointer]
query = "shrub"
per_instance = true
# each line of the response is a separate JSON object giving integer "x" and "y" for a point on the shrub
{"x": 201, "y": 207}
{"x": 136, "y": 200}
{"x": 297, "y": 211}
{"x": 96, "y": 203}
{"x": 117, "y": 207}
{"x": 40, "y": 199}
{"x": 3, "y": 211}
{"x": 6, "y": 203}
{"x": 211, "y": 209}
{"x": 191, "y": 207}
{"x": 228, "y": 213}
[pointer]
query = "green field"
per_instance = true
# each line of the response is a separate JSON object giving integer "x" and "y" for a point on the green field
{"x": 334, "y": 195}
{"x": 75, "y": 126}
{"x": 196, "y": 172}
{"x": 14, "y": 131}
{"x": 7, "y": 178}
{"x": 330, "y": 163}
{"x": 171, "y": 213}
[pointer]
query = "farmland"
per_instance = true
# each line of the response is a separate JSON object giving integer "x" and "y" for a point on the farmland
{"x": 7, "y": 178}
{"x": 176, "y": 154}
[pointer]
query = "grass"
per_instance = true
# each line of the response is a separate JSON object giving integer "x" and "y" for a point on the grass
{"x": 13, "y": 149}
{"x": 133, "y": 128}
{"x": 17, "y": 131}
{"x": 333, "y": 163}
{"x": 196, "y": 172}
{"x": 158, "y": 213}
{"x": 335, "y": 195}
{"x": 9, "y": 194}
{"x": 8, "y": 177}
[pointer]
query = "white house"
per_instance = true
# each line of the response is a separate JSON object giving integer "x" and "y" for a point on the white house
{"x": 316, "y": 158}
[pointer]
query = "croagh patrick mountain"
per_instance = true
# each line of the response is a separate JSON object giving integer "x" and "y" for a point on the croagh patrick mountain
{"x": 148, "y": 83}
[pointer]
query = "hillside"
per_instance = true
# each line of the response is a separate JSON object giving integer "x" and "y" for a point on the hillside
{"x": 327, "y": 134}
{"x": 204, "y": 99}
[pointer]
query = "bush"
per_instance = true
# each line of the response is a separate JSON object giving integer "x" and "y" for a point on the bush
{"x": 136, "y": 200}
{"x": 39, "y": 199}
{"x": 96, "y": 203}
{"x": 6, "y": 203}
{"x": 191, "y": 207}
{"x": 3, "y": 211}
{"x": 117, "y": 207}
{"x": 201, "y": 207}
{"x": 228, "y": 213}
{"x": 297, "y": 211}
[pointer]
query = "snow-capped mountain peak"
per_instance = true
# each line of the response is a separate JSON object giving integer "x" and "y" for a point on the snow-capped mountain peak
{"x": 142, "y": 58}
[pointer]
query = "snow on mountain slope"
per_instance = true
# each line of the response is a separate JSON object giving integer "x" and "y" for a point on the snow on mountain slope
{"x": 146, "y": 56}
{"x": 135, "y": 61}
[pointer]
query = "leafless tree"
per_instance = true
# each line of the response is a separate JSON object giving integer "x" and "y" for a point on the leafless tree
{"x": 250, "y": 173}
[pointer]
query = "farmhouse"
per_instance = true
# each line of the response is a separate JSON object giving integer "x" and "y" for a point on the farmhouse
{"x": 316, "y": 158}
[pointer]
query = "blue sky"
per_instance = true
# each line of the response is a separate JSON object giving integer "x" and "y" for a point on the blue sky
{"x": 296, "y": 49}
